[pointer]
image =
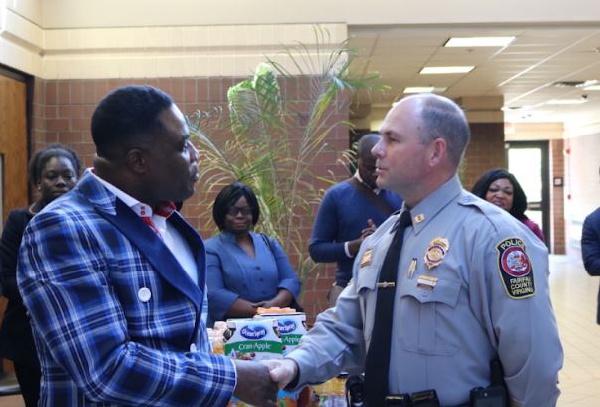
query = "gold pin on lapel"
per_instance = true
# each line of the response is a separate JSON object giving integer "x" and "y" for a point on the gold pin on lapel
{"x": 412, "y": 267}
{"x": 366, "y": 259}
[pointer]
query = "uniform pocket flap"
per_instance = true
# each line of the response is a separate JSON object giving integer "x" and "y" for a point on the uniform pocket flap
{"x": 367, "y": 278}
{"x": 428, "y": 288}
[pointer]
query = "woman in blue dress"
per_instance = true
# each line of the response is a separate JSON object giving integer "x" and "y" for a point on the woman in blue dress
{"x": 245, "y": 270}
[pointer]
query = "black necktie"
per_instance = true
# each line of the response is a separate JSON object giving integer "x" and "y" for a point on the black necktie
{"x": 377, "y": 365}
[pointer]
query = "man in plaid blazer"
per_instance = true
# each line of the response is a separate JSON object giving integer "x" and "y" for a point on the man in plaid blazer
{"x": 114, "y": 278}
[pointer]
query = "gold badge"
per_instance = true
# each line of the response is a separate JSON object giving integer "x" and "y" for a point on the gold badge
{"x": 366, "y": 259}
{"x": 419, "y": 218}
{"x": 436, "y": 251}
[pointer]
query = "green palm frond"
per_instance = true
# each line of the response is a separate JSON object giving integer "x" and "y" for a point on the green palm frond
{"x": 264, "y": 147}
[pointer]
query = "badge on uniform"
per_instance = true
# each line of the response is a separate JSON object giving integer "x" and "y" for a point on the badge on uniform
{"x": 436, "y": 251}
{"x": 515, "y": 268}
{"x": 366, "y": 258}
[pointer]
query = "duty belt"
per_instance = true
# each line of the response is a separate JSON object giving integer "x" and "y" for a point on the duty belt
{"x": 405, "y": 400}
{"x": 492, "y": 396}
{"x": 426, "y": 398}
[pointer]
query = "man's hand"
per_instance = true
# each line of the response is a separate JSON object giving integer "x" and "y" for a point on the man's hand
{"x": 354, "y": 245}
{"x": 254, "y": 384}
{"x": 282, "y": 371}
{"x": 368, "y": 230}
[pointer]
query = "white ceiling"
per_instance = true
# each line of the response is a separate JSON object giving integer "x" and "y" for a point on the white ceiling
{"x": 523, "y": 72}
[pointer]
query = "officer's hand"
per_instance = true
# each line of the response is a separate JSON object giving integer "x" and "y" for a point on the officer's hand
{"x": 282, "y": 371}
{"x": 254, "y": 384}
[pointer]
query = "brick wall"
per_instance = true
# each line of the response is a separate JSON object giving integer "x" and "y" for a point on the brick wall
{"x": 485, "y": 151}
{"x": 557, "y": 197}
{"x": 62, "y": 110}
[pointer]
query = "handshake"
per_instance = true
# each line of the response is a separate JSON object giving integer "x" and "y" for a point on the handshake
{"x": 258, "y": 382}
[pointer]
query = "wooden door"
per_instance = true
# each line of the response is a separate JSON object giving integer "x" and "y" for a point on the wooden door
{"x": 13, "y": 149}
{"x": 13, "y": 143}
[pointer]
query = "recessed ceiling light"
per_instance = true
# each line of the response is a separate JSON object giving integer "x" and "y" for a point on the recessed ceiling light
{"x": 576, "y": 84}
{"x": 592, "y": 87}
{"x": 566, "y": 101}
{"x": 479, "y": 41}
{"x": 433, "y": 70}
{"x": 418, "y": 89}
{"x": 589, "y": 83}
{"x": 423, "y": 89}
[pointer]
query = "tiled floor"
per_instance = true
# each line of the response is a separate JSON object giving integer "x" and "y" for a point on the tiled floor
{"x": 574, "y": 296}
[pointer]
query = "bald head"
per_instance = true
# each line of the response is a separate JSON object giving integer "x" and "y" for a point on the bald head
{"x": 440, "y": 117}
{"x": 423, "y": 140}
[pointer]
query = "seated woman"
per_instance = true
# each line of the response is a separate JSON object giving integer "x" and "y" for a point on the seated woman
{"x": 501, "y": 188}
{"x": 245, "y": 270}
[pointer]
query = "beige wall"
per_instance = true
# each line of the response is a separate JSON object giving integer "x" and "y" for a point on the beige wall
{"x": 150, "y": 52}
{"x": 101, "y": 13}
{"x": 533, "y": 131}
{"x": 62, "y": 39}
{"x": 21, "y": 36}
{"x": 582, "y": 184}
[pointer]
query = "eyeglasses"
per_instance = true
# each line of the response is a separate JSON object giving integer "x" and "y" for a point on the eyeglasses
{"x": 234, "y": 210}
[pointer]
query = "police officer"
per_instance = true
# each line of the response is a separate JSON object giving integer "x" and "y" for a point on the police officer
{"x": 472, "y": 282}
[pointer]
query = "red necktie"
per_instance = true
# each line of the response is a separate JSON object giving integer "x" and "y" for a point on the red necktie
{"x": 164, "y": 209}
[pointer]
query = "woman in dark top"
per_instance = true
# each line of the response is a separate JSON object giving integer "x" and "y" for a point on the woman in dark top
{"x": 53, "y": 171}
{"x": 501, "y": 188}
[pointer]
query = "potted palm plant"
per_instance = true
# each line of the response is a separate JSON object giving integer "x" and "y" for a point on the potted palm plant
{"x": 272, "y": 143}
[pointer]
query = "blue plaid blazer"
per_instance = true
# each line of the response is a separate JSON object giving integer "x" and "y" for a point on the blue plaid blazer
{"x": 116, "y": 319}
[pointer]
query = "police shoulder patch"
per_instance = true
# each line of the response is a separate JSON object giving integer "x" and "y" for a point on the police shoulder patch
{"x": 515, "y": 268}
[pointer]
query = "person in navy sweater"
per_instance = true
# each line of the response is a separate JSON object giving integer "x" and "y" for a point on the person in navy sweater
{"x": 590, "y": 248}
{"x": 349, "y": 212}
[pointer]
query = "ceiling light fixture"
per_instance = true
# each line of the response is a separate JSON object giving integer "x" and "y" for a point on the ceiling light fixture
{"x": 577, "y": 84}
{"x": 567, "y": 101}
{"x": 418, "y": 89}
{"x": 588, "y": 83}
{"x": 479, "y": 41}
{"x": 592, "y": 84}
{"x": 423, "y": 89}
{"x": 437, "y": 70}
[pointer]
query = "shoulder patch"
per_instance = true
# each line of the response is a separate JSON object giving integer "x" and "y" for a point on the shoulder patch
{"x": 515, "y": 268}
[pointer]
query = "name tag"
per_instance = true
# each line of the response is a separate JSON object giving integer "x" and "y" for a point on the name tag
{"x": 427, "y": 282}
